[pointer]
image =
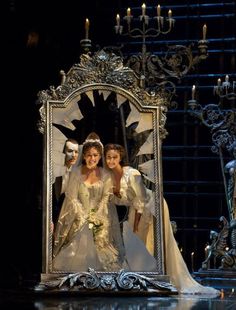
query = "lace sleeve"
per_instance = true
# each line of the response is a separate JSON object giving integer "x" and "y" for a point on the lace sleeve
{"x": 138, "y": 190}
{"x": 67, "y": 223}
{"x": 72, "y": 215}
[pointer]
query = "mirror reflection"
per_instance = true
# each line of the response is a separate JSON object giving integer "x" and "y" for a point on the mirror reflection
{"x": 102, "y": 209}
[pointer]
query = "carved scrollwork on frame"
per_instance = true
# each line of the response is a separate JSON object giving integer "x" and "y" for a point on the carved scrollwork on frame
{"x": 109, "y": 283}
{"x": 106, "y": 68}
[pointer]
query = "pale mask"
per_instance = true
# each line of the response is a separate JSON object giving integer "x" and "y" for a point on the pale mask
{"x": 72, "y": 153}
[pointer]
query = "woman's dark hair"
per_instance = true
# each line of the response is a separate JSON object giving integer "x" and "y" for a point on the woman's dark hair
{"x": 119, "y": 148}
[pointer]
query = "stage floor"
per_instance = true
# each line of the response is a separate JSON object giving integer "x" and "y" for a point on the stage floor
{"x": 17, "y": 299}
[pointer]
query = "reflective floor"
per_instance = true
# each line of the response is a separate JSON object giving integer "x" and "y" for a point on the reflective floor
{"x": 13, "y": 299}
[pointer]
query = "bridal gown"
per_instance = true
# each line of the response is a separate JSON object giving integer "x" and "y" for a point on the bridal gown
{"x": 132, "y": 195}
{"x": 87, "y": 233}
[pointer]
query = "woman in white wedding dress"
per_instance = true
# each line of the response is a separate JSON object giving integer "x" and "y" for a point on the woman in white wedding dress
{"x": 129, "y": 190}
{"x": 87, "y": 232}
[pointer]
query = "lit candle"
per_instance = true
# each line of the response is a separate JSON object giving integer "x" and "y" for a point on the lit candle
{"x": 222, "y": 293}
{"x": 169, "y": 13}
{"x": 86, "y": 28}
{"x": 218, "y": 82}
{"x": 118, "y": 20}
{"x": 193, "y": 92}
{"x": 128, "y": 12}
{"x": 204, "y": 31}
{"x": 192, "y": 260}
{"x": 143, "y": 9}
{"x": 158, "y": 10}
{"x": 226, "y": 84}
{"x": 206, "y": 254}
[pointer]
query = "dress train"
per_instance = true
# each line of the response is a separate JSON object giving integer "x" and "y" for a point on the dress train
{"x": 176, "y": 267}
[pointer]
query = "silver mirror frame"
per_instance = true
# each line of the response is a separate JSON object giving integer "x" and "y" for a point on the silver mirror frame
{"x": 103, "y": 72}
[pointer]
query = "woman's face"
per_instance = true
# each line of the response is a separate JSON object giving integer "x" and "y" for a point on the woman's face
{"x": 92, "y": 157}
{"x": 112, "y": 159}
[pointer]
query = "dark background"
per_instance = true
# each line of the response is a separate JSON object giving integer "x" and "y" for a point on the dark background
{"x": 43, "y": 37}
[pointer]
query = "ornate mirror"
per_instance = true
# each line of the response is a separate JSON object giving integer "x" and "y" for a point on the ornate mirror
{"x": 100, "y": 95}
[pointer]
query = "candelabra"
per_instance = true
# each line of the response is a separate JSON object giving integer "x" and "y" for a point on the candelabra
{"x": 222, "y": 124}
{"x": 157, "y": 71}
{"x": 225, "y": 90}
